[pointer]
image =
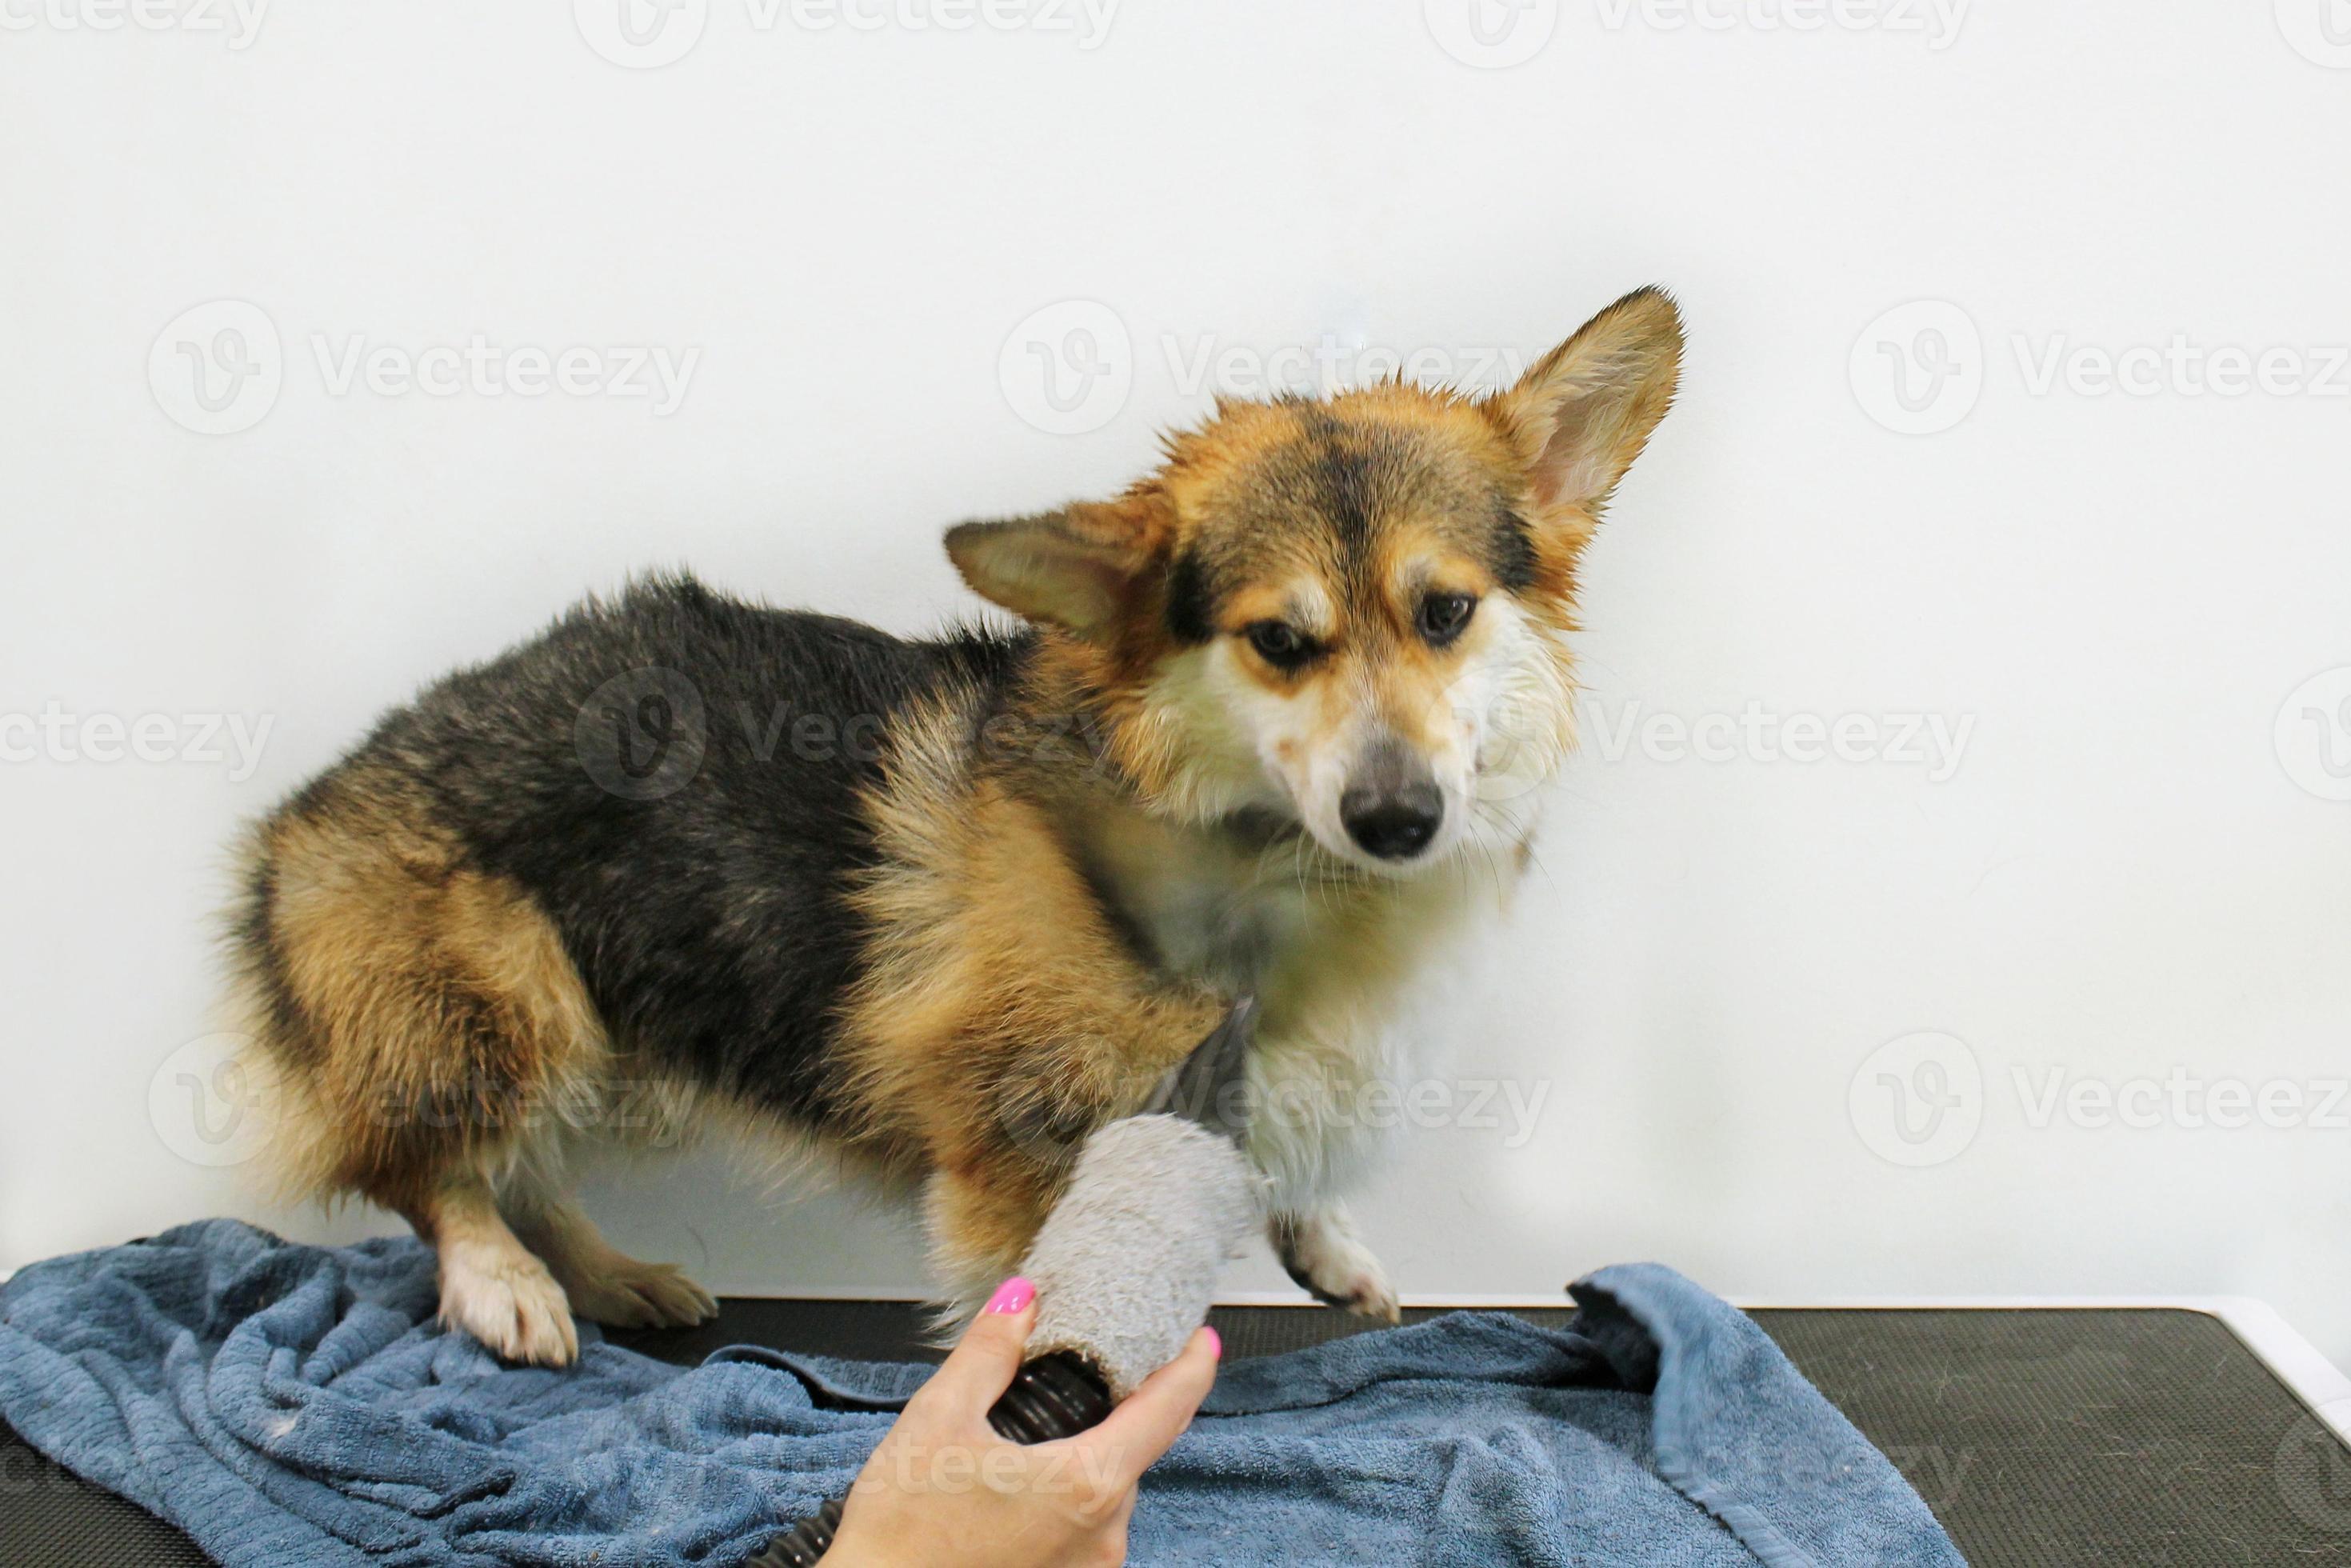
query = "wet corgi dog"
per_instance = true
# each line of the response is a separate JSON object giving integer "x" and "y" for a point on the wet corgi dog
{"x": 933, "y": 910}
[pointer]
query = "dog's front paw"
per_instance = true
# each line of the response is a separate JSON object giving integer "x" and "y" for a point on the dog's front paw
{"x": 1323, "y": 1254}
{"x": 508, "y": 1300}
{"x": 1365, "y": 1292}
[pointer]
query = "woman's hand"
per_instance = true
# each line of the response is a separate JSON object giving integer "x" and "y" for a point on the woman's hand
{"x": 944, "y": 1489}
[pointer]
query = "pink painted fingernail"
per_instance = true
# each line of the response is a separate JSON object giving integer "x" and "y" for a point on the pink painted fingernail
{"x": 1215, "y": 1343}
{"x": 1013, "y": 1295}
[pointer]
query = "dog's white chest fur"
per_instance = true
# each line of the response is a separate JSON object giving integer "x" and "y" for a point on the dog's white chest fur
{"x": 1329, "y": 955}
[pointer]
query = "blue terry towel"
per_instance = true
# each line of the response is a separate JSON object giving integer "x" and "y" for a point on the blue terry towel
{"x": 289, "y": 1405}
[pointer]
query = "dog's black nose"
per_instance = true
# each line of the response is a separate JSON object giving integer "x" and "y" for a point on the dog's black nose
{"x": 1393, "y": 824}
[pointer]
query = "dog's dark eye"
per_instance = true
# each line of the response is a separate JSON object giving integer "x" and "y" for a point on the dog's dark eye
{"x": 1281, "y": 645}
{"x": 1442, "y": 615}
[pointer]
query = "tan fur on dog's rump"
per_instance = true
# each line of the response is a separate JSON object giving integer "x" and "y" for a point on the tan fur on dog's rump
{"x": 424, "y": 1040}
{"x": 414, "y": 1015}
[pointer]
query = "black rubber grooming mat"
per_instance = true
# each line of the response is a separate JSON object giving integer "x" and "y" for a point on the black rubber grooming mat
{"x": 2140, "y": 1439}
{"x": 2074, "y": 1437}
{"x": 51, "y": 1518}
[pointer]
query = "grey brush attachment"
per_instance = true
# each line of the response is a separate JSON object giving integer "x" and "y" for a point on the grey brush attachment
{"x": 1126, "y": 1263}
{"x": 1124, "y": 1267}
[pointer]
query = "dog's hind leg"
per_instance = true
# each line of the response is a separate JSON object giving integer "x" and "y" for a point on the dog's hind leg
{"x": 603, "y": 1283}
{"x": 420, "y": 1021}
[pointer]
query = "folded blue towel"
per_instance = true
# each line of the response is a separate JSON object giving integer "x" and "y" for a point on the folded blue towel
{"x": 286, "y": 1404}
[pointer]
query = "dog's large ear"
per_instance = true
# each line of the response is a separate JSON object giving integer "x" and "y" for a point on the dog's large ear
{"x": 1075, "y": 568}
{"x": 1582, "y": 412}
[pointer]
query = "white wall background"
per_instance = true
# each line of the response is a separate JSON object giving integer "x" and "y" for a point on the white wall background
{"x": 2139, "y": 868}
